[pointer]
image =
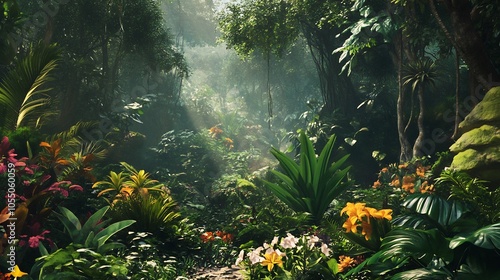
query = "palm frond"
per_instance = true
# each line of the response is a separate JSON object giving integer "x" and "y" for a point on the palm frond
{"x": 22, "y": 91}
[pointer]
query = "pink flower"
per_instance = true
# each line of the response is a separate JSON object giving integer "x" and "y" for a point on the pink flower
{"x": 34, "y": 241}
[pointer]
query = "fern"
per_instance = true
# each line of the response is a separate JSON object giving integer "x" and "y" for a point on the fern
{"x": 462, "y": 187}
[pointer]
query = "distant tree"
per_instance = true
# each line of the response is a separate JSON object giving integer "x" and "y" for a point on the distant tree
{"x": 271, "y": 26}
{"x": 99, "y": 39}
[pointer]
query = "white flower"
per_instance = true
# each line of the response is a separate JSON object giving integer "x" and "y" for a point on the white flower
{"x": 240, "y": 257}
{"x": 280, "y": 253}
{"x": 289, "y": 242}
{"x": 274, "y": 241}
{"x": 325, "y": 250}
{"x": 312, "y": 240}
{"x": 254, "y": 256}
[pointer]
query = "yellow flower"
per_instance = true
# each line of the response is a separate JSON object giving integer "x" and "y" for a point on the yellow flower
{"x": 272, "y": 259}
{"x": 349, "y": 226}
{"x": 367, "y": 230}
{"x": 17, "y": 273}
{"x": 355, "y": 211}
{"x": 385, "y": 214}
{"x": 380, "y": 214}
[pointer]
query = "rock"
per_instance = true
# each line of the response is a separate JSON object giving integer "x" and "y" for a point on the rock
{"x": 477, "y": 151}
{"x": 485, "y": 112}
{"x": 477, "y": 137}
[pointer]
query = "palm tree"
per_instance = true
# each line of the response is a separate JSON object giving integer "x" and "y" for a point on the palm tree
{"x": 420, "y": 74}
{"x": 23, "y": 95}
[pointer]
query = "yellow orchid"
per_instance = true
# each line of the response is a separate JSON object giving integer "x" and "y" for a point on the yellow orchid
{"x": 271, "y": 259}
{"x": 17, "y": 273}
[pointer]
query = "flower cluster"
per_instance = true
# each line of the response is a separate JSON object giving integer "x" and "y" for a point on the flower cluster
{"x": 33, "y": 241}
{"x": 210, "y": 236}
{"x": 8, "y": 155}
{"x": 345, "y": 263}
{"x": 215, "y": 131}
{"x": 287, "y": 253}
{"x": 409, "y": 177}
{"x": 362, "y": 216}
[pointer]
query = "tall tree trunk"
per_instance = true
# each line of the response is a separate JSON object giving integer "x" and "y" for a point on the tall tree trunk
{"x": 336, "y": 88}
{"x": 467, "y": 41}
{"x": 405, "y": 148}
{"x": 457, "y": 97}
{"x": 417, "y": 147}
{"x": 269, "y": 95}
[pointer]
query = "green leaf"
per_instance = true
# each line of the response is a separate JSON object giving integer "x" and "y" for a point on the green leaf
{"x": 333, "y": 265}
{"x": 70, "y": 222}
{"x": 487, "y": 237}
{"x": 92, "y": 223}
{"x": 106, "y": 233}
{"x": 311, "y": 185}
{"x": 22, "y": 90}
{"x": 419, "y": 244}
{"x": 438, "y": 209}
{"x": 59, "y": 257}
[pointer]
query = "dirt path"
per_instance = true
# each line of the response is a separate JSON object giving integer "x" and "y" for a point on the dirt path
{"x": 217, "y": 274}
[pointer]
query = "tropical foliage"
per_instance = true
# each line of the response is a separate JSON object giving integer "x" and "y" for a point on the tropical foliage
{"x": 317, "y": 140}
{"x": 314, "y": 183}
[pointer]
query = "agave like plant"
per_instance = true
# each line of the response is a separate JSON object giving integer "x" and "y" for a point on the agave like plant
{"x": 311, "y": 185}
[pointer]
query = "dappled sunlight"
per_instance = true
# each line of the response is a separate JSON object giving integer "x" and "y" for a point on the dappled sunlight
{"x": 249, "y": 139}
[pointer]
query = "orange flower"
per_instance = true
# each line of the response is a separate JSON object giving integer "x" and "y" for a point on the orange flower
{"x": 345, "y": 262}
{"x": 229, "y": 143}
{"x": 403, "y": 166}
{"x": 408, "y": 184}
{"x": 215, "y": 131}
{"x": 421, "y": 171}
{"x": 395, "y": 182}
{"x": 425, "y": 187}
{"x": 384, "y": 170}
{"x": 228, "y": 238}
{"x": 377, "y": 184}
{"x": 207, "y": 236}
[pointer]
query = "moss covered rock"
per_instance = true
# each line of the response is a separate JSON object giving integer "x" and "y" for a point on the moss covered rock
{"x": 486, "y": 112}
{"x": 485, "y": 135}
{"x": 477, "y": 151}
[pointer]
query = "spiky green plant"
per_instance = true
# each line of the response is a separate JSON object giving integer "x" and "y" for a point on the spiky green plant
{"x": 23, "y": 94}
{"x": 152, "y": 213}
{"x": 314, "y": 183}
